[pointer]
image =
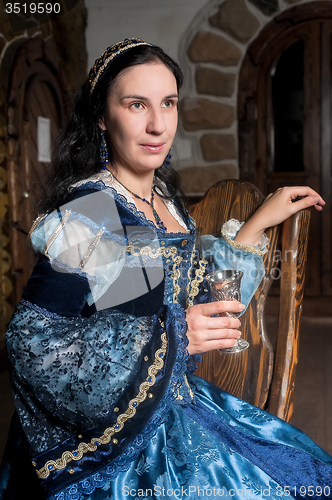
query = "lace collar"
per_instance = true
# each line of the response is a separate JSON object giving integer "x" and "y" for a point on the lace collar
{"x": 107, "y": 178}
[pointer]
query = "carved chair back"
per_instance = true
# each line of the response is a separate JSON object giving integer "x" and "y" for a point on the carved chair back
{"x": 263, "y": 375}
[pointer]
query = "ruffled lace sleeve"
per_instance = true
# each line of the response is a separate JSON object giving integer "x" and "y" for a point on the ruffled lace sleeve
{"x": 78, "y": 240}
{"x": 230, "y": 229}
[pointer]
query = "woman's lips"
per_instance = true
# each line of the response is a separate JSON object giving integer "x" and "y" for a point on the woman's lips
{"x": 153, "y": 147}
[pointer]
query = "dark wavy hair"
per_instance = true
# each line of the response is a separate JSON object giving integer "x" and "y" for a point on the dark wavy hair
{"x": 76, "y": 151}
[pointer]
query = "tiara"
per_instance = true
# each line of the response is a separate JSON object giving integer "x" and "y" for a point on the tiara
{"x": 110, "y": 53}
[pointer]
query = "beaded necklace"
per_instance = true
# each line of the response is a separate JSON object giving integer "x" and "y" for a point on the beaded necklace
{"x": 159, "y": 222}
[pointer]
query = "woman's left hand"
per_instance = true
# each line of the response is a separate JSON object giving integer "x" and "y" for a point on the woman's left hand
{"x": 276, "y": 208}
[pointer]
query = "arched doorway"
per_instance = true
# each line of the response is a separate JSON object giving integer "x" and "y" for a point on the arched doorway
{"x": 285, "y": 111}
{"x": 36, "y": 109}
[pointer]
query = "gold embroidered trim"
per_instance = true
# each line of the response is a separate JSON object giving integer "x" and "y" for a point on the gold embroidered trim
{"x": 91, "y": 248}
{"x": 167, "y": 252}
{"x": 193, "y": 253}
{"x": 36, "y": 222}
{"x": 196, "y": 281}
{"x": 57, "y": 231}
{"x": 242, "y": 246}
{"x": 83, "y": 448}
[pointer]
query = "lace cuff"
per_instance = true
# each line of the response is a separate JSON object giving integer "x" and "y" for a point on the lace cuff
{"x": 230, "y": 229}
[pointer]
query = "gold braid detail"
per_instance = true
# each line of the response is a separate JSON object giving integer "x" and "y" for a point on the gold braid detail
{"x": 83, "y": 448}
{"x": 36, "y": 222}
{"x": 91, "y": 249}
{"x": 197, "y": 280}
{"x": 242, "y": 246}
{"x": 193, "y": 253}
{"x": 57, "y": 231}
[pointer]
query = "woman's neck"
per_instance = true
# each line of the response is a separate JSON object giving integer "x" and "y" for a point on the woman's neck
{"x": 139, "y": 184}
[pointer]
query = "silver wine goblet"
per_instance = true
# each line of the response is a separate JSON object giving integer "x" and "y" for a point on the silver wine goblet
{"x": 226, "y": 285}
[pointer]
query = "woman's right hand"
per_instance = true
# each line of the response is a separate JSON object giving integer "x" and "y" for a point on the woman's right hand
{"x": 206, "y": 333}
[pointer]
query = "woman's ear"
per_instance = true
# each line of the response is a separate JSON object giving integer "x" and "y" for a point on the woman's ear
{"x": 101, "y": 123}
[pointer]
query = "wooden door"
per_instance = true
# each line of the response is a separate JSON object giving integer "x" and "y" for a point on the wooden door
{"x": 36, "y": 111}
{"x": 284, "y": 160}
{"x": 289, "y": 109}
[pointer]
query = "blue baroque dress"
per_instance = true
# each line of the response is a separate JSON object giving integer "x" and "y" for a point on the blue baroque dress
{"x": 107, "y": 405}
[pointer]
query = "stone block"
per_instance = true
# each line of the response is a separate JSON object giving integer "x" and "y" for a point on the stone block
{"x": 235, "y": 18}
{"x": 214, "y": 82}
{"x": 268, "y": 7}
{"x": 216, "y": 147}
{"x": 208, "y": 47}
{"x": 200, "y": 114}
{"x": 200, "y": 179}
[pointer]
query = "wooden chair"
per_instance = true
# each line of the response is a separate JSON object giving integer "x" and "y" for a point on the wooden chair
{"x": 261, "y": 375}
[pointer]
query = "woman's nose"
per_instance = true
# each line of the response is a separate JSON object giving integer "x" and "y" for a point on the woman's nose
{"x": 156, "y": 123}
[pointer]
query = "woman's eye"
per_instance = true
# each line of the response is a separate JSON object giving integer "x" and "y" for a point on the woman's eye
{"x": 137, "y": 105}
{"x": 168, "y": 104}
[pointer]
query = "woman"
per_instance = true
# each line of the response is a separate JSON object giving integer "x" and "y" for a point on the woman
{"x": 104, "y": 340}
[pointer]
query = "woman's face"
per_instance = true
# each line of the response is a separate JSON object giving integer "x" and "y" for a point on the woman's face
{"x": 141, "y": 117}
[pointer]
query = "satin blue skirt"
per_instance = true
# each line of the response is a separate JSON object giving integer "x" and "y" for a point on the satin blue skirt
{"x": 216, "y": 447}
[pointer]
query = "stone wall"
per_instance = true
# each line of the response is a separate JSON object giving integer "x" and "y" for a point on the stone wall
{"x": 212, "y": 53}
{"x": 66, "y": 37}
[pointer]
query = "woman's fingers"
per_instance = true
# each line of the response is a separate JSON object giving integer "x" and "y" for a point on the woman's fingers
{"x": 218, "y": 307}
{"x": 207, "y": 335}
{"x": 207, "y": 332}
{"x": 204, "y": 326}
{"x": 219, "y": 344}
{"x": 301, "y": 196}
{"x": 207, "y": 340}
{"x": 282, "y": 204}
{"x": 307, "y": 201}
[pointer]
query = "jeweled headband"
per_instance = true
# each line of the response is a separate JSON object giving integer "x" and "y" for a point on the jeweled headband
{"x": 111, "y": 53}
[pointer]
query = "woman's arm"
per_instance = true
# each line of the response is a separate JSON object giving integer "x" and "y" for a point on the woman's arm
{"x": 275, "y": 209}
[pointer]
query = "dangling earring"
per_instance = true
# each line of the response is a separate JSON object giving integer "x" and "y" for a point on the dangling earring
{"x": 168, "y": 157}
{"x": 103, "y": 152}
